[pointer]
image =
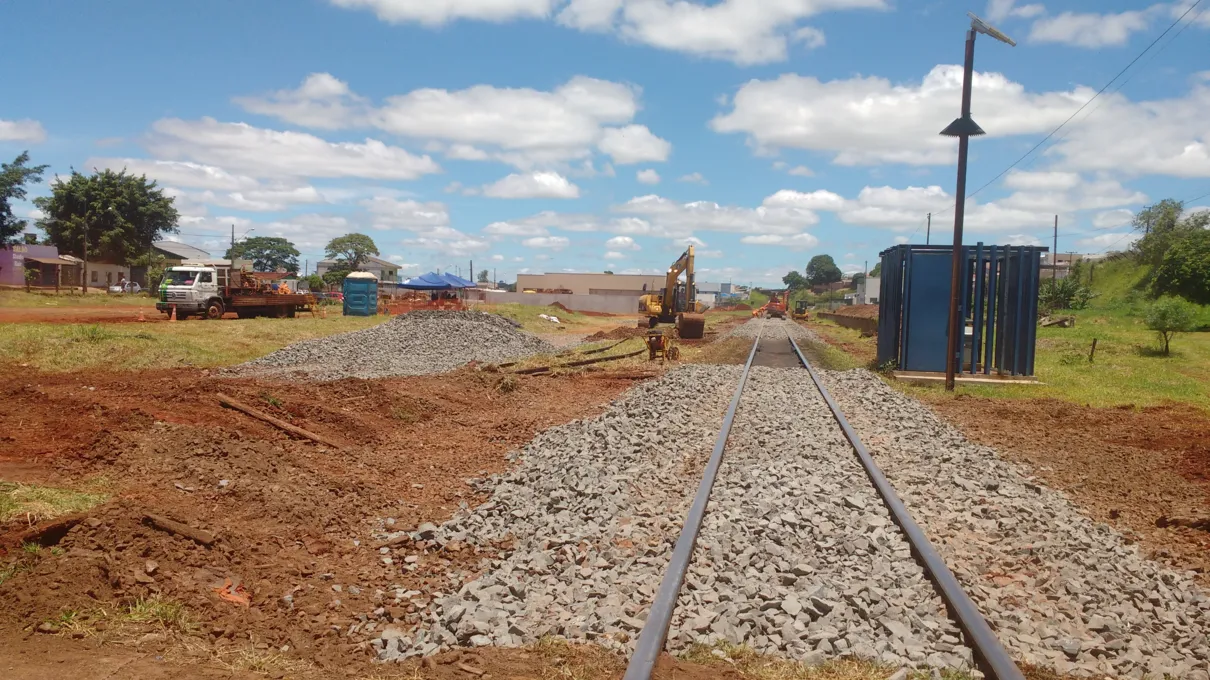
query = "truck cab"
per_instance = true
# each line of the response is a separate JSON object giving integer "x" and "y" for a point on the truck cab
{"x": 193, "y": 289}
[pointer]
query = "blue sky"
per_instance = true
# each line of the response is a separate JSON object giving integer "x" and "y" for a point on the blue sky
{"x": 586, "y": 135}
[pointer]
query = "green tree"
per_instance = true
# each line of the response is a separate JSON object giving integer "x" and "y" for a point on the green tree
{"x": 822, "y": 270}
{"x": 877, "y": 270}
{"x": 858, "y": 278}
{"x": 123, "y": 214}
{"x": 268, "y": 253}
{"x": 1162, "y": 227}
{"x": 337, "y": 274}
{"x": 13, "y": 178}
{"x": 608, "y": 272}
{"x": 483, "y": 274}
{"x": 351, "y": 251}
{"x": 1185, "y": 268}
{"x": 315, "y": 282}
{"x": 794, "y": 281}
{"x": 1169, "y": 316}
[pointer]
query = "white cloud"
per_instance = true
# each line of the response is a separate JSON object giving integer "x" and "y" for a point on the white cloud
{"x": 497, "y": 258}
{"x": 869, "y": 120}
{"x": 181, "y": 174}
{"x": 1110, "y": 219}
{"x": 794, "y": 242}
{"x": 634, "y": 144}
{"x": 693, "y": 178}
{"x": 1113, "y": 241}
{"x": 25, "y": 130}
{"x": 520, "y": 126}
{"x": 532, "y": 185}
{"x": 1021, "y": 240}
{"x": 438, "y": 12}
{"x": 865, "y": 121}
{"x": 801, "y": 171}
{"x": 268, "y": 199}
{"x": 689, "y": 241}
{"x": 742, "y": 31}
{"x": 901, "y": 239}
{"x": 1018, "y": 179}
{"x": 622, "y": 243}
{"x": 514, "y": 229}
{"x": 1090, "y": 30}
{"x": 816, "y": 200}
{"x": 551, "y": 242}
{"x": 648, "y": 176}
{"x": 391, "y": 213}
{"x": 260, "y": 152}
{"x": 614, "y": 255}
{"x": 322, "y": 101}
{"x": 999, "y": 10}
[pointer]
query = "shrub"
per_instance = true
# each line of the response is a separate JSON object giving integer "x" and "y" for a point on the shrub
{"x": 1066, "y": 293}
{"x": 1169, "y": 316}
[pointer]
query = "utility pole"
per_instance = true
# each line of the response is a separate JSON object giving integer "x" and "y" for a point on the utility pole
{"x": 472, "y": 276}
{"x": 1054, "y": 258}
{"x": 928, "y": 230}
{"x": 84, "y": 274}
{"x": 233, "y": 240}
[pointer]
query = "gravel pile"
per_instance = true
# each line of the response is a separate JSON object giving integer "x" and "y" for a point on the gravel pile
{"x": 594, "y": 508}
{"x": 1060, "y": 589}
{"x": 416, "y": 343}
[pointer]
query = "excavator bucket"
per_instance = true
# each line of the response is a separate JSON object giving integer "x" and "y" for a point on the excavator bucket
{"x": 691, "y": 326}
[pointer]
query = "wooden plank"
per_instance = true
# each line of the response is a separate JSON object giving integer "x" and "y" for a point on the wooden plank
{"x": 278, "y": 423}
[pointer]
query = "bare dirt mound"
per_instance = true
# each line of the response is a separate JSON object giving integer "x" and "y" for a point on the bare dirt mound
{"x": 619, "y": 333}
{"x": 284, "y": 557}
{"x": 1134, "y": 469}
{"x": 858, "y": 311}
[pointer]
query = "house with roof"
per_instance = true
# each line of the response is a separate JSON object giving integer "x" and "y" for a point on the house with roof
{"x": 387, "y": 272}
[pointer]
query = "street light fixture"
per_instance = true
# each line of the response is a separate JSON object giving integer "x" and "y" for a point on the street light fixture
{"x": 963, "y": 127}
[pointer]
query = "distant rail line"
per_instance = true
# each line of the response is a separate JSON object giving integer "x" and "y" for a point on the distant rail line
{"x": 989, "y": 655}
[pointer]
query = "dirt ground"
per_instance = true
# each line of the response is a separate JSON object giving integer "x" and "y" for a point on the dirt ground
{"x": 858, "y": 311}
{"x": 1134, "y": 469}
{"x": 125, "y": 314}
{"x": 290, "y": 517}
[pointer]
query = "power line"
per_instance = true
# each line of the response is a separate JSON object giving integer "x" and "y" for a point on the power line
{"x": 1083, "y": 106}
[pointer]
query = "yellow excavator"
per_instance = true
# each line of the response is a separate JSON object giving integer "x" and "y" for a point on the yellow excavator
{"x": 677, "y": 303}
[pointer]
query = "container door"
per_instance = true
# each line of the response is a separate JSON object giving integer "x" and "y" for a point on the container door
{"x": 926, "y": 326}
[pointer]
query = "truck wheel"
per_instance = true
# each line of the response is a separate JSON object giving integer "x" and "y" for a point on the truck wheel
{"x": 214, "y": 310}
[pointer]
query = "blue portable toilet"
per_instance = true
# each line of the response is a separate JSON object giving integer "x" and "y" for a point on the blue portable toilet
{"x": 361, "y": 294}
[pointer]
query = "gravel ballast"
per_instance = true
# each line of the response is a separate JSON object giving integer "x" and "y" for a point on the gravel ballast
{"x": 796, "y": 558}
{"x": 1060, "y": 589}
{"x": 594, "y": 507}
{"x": 417, "y": 343}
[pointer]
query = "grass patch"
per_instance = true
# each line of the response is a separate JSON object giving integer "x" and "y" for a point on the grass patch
{"x": 198, "y": 343}
{"x": 844, "y": 347}
{"x": 33, "y": 503}
{"x": 250, "y": 660}
{"x": 166, "y": 613}
{"x": 527, "y": 316}
{"x": 753, "y": 666}
{"x": 21, "y": 299}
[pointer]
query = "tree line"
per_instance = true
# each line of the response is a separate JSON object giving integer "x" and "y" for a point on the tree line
{"x": 118, "y": 216}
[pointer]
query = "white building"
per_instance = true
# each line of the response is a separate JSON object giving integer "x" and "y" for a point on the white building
{"x": 867, "y": 291}
{"x": 384, "y": 270}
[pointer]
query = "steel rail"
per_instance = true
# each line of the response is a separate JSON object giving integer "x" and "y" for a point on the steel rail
{"x": 990, "y": 656}
{"x": 655, "y": 629}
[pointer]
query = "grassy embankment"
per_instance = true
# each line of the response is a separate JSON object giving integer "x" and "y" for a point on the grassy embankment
{"x": 1127, "y": 368}
{"x": 95, "y": 298}
{"x": 130, "y": 346}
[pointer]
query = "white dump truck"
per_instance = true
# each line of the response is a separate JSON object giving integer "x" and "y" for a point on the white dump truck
{"x": 213, "y": 288}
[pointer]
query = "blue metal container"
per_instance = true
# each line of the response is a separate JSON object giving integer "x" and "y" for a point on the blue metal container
{"x": 998, "y": 308}
{"x": 361, "y": 294}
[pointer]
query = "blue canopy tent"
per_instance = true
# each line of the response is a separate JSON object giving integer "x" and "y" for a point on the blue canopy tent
{"x": 428, "y": 281}
{"x": 457, "y": 281}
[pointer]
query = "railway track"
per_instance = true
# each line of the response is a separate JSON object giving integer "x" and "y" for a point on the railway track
{"x": 775, "y": 348}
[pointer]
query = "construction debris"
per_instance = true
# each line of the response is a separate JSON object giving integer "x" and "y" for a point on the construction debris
{"x": 276, "y": 422}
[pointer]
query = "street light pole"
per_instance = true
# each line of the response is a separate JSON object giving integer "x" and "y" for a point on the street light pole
{"x": 963, "y": 128}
